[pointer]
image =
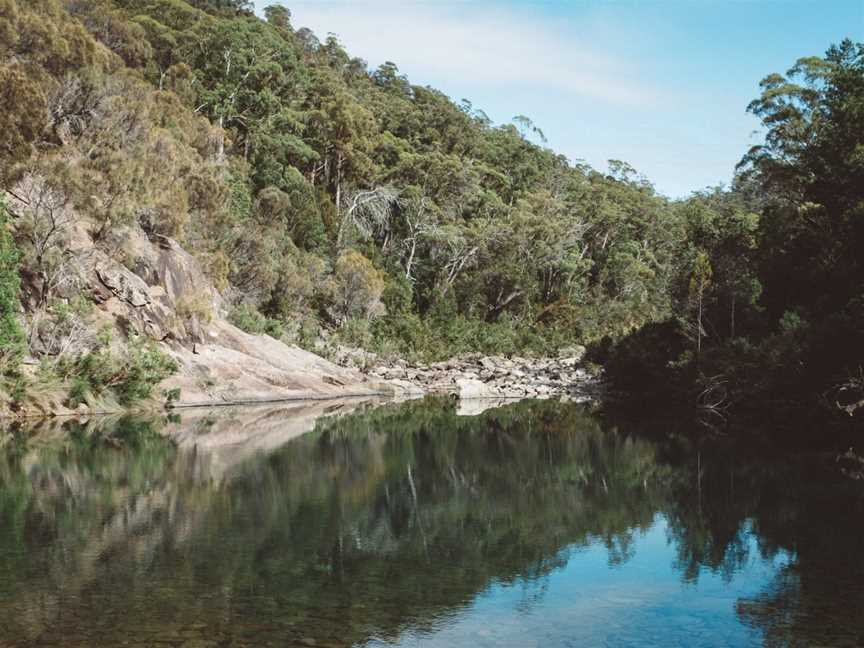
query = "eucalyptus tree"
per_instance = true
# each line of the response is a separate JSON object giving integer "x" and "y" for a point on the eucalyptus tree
{"x": 12, "y": 340}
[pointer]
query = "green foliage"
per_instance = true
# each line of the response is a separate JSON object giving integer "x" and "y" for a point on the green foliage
{"x": 227, "y": 7}
{"x": 240, "y": 196}
{"x": 12, "y": 340}
{"x": 102, "y": 373}
{"x": 171, "y": 395}
{"x": 294, "y": 210}
{"x": 317, "y": 191}
{"x": 249, "y": 319}
{"x": 771, "y": 270}
{"x": 307, "y": 155}
{"x": 356, "y": 288}
{"x": 22, "y": 126}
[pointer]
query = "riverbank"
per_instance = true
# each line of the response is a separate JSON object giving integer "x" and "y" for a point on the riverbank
{"x": 476, "y": 375}
{"x": 233, "y": 368}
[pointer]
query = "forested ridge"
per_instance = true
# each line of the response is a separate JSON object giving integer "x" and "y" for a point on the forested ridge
{"x": 328, "y": 200}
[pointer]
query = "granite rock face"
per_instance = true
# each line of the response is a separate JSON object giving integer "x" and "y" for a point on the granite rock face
{"x": 125, "y": 285}
{"x": 232, "y": 366}
{"x": 150, "y": 286}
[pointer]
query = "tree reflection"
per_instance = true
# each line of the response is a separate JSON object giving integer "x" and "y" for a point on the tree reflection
{"x": 389, "y": 519}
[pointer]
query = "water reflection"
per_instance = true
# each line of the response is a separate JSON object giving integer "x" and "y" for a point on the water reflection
{"x": 532, "y": 524}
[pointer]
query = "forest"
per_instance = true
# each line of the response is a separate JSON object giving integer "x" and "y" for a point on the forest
{"x": 328, "y": 199}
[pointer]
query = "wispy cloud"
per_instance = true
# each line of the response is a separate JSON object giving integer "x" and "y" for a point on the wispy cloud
{"x": 482, "y": 44}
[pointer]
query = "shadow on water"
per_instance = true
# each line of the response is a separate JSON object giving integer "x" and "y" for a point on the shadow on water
{"x": 409, "y": 524}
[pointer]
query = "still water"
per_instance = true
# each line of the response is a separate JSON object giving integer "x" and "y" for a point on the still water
{"x": 534, "y": 524}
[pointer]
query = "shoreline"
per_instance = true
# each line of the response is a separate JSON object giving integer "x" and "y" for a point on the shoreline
{"x": 467, "y": 378}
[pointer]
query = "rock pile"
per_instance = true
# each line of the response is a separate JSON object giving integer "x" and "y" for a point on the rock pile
{"x": 479, "y": 376}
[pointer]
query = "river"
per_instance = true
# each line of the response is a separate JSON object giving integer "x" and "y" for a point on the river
{"x": 532, "y": 524}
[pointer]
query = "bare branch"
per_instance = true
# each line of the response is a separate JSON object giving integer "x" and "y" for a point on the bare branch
{"x": 368, "y": 212}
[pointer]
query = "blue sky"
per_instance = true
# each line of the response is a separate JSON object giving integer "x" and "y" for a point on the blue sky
{"x": 661, "y": 84}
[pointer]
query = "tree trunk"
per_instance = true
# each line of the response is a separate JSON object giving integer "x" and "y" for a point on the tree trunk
{"x": 732, "y": 319}
{"x": 338, "y": 186}
{"x": 410, "y": 261}
{"x": 699, "y": 329}
{"x": 501, "y": 304}
{"x": 220, "y": 152}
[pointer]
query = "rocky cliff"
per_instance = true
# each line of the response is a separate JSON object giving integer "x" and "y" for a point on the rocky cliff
{"x": 150, "y": 286}
{"x": 140, "y": 285}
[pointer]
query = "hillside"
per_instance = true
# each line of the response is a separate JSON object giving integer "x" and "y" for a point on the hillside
{"x": 318, "y": 197}
{"x": 303, "y": 196}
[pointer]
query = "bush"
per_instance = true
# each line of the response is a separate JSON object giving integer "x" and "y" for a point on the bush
{"x": 647, "y": 362}
{"x": 129, "y": 377}
{"x": 444, "y": 334}
{"x": 357, "y": 332}
{"x": 12, "y": 340}
{"x": 146, "y": 367}
{"x": 307, "y": 332}
{"x": 197, "y": 306}
{"x": 247, "y": 318}
{"x": 357, "y": 287}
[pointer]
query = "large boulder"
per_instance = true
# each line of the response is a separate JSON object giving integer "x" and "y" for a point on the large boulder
{"x": 125, "y": 285}
{"x": 468, "y": 388}
{"x": 231, "y": 366}
{"x": 572, "y": 354}
{"x": 182, "y": 298}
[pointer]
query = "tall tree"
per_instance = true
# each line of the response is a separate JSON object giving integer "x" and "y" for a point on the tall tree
{"x": 11, "y": 335}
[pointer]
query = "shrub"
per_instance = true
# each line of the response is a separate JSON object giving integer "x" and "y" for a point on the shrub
{"x": 646, "y": 361}
{"x": 358, "y": 287}
{"x": 398, "y": 295}
{"x": 171, "y": 395}
{"x": 198, "y": 306}
{"x": 307, "y": 333}
{"x": 129, "y": 377}
{"x": 12, "y": 340}
{"x": 249, "y": 319}
{"x": 357, "y": 332}
{"x": 146, "y": 367}
{"x": 298, "y": 287}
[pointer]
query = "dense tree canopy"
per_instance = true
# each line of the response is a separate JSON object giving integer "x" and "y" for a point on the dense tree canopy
{"x": 325, "y": 155}
{"x": 782, "y": 319}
